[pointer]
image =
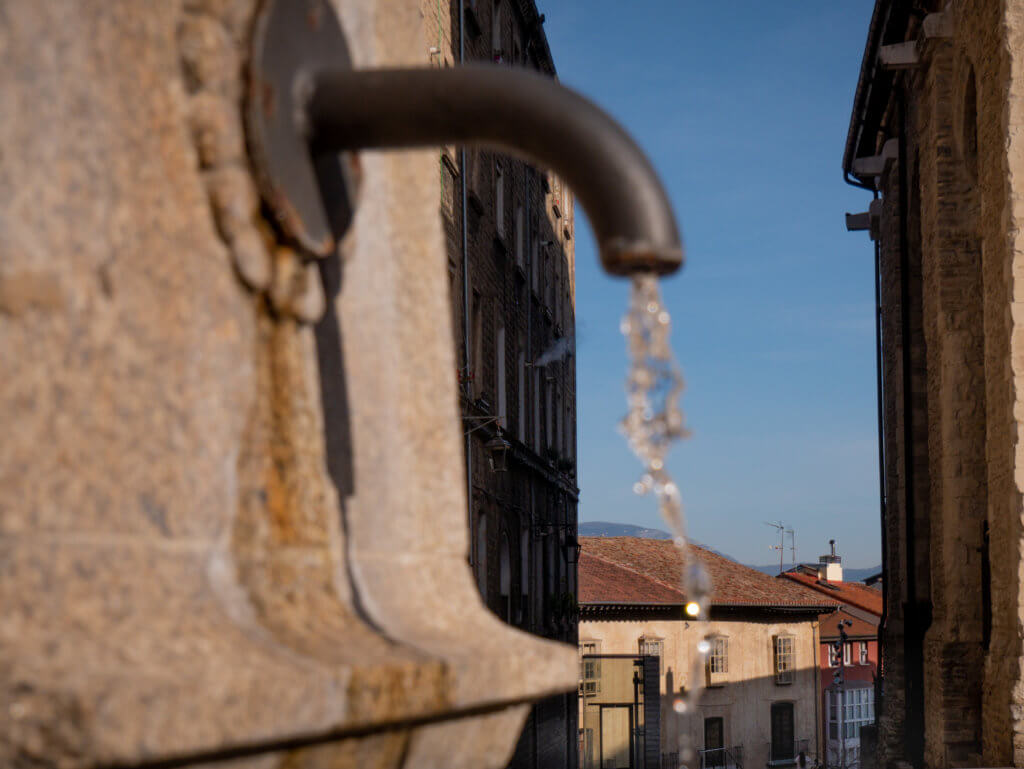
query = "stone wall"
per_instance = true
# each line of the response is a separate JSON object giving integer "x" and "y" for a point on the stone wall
{"x": 232, "y": 498}
{"x": 948, "y": 240}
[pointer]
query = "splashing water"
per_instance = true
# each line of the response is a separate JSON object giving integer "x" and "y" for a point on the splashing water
{"x": 653, "y": 423}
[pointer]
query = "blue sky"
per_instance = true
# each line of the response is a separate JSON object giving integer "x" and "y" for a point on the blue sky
{"x": 744, "y": 109}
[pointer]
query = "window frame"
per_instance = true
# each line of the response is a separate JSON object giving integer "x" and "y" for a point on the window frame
{"x": 645, "y": 642}
{"x": 718, "y": 660}
{"x": 784, "y": 662}
{"x": 594, "y": 677}
{"x": 863, "y": 653}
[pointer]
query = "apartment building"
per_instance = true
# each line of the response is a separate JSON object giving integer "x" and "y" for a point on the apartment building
{"x": 509, "y": 231}
{"x": 761, "y": 705}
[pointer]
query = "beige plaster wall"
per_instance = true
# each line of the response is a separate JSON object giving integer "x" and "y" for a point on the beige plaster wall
{"x": 744, "y": 702}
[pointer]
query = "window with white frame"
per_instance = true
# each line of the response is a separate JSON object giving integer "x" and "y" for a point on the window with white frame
{"x": 863, "y": 652}
{"x": 784, "y": 659}
{"x": 590, "y": 669}
{"x": 652, "y": 646}
{"x": 718, "y": 656}
{"x": 858, "y": 709}
{"x": 833, "y": 715}
{"x": 847, "y": 653}
{"x": 833, "y": 656}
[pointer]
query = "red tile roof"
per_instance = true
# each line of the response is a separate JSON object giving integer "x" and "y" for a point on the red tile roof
{"x": 858, "y": 628}
{"x": 852, "y": 593}
{"x": 648, "y": 571}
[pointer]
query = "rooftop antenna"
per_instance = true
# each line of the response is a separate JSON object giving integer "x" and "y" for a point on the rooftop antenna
{"x": 781, "y": 547}
{"x": 792, "y": 545}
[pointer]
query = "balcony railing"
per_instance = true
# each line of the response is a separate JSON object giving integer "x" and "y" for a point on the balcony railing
{"x": 721, "y": 758}
{"x": 787, "y": 753}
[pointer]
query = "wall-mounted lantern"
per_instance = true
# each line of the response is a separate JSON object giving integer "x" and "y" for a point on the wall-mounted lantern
{"x": 498, "y": 448}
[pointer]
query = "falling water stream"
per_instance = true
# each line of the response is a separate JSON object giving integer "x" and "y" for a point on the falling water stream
{"x": 653, "y": 423}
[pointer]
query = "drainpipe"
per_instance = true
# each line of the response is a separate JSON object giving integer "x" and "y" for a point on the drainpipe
{"x": 880, "y": 395}
{"x": 464, "y": 241}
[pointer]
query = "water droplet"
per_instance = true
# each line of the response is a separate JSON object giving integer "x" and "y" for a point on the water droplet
{"x": 663, "y": 318}
{"x": 703, "y": 646}
{"x": 657, "y": 464}
{"x": 693, "y": 608}
{"x": 679, "y": 705}
{"x": 639, "y": 488}
{"x": 625, "y": 327}
{"x": 652, "y": 307}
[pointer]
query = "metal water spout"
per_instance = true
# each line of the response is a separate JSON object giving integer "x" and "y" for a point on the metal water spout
{"x": 307, "y": 102}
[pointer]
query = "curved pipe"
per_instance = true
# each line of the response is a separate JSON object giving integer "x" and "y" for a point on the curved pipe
{"x": 517, "y": 112}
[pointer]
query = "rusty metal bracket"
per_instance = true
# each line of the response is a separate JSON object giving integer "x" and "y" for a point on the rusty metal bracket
{"x": 294, "y": 41}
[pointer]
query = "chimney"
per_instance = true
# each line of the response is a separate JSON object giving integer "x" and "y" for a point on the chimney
{"x": 830, "y": 567}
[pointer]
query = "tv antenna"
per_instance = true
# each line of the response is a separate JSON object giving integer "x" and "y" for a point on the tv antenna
{"x": 792, "y": 546}
{"x": 781, "y": 547}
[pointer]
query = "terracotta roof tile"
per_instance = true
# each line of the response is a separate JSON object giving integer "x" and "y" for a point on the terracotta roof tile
{"x": 852, "y": 593}
{"x": 635, "y": 570}
{"x": 858, "y": 628}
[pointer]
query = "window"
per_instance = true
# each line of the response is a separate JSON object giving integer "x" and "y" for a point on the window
{"x": 714, "y": 743}
{"x": 481, "y": 554}
{"x": 784, "y": 663}
{"x": 718, "y": 657}
{"x": 847, "y": 652}
{"x": 535, "y": 406}
{"x": 590, "y": 670}
{"x": 521, "y": 392}
{"x": 534, "y": 264}
{"x": 501, "y": 384}
{"x": 447, "y": 186}
{"x": 652, "y": 646}
{"x": 557, "y": 443}
{"x": 499, "y": 199}
{"x": 783, "y": 737}
{"x": 858, "y": 710}
{"x": 497, "y": 54}
{"x": 833, "y": 655}
{"x": 833, "y": 715}
{"x": 520, "y": 236}
{"x": 477, "y": 339}
{"x": 524, "y": 571}
{"x": 588, "y": 747}
{"x": 548, "y": 432}
{"x": 863, "y": 652}
{"x": 505, "y": 579}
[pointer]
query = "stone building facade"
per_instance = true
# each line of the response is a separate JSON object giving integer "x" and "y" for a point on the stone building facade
{"x": 511, "y": 266}
{"x": 232, "y": 479}
{"x": 761, "y": 706}
{"x": 937, "y": 133}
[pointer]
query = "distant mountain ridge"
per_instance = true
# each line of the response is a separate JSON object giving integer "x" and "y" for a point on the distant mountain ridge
{"x": 609, "y": 529}
{"x": 605, "y": 529}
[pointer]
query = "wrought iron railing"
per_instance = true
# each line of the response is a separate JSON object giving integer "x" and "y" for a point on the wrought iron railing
{"x": 721, "y": 758}
{"x": 788, "y": 753}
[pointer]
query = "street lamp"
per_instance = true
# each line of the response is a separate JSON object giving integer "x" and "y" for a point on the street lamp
{"x": 839, "y": 681}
